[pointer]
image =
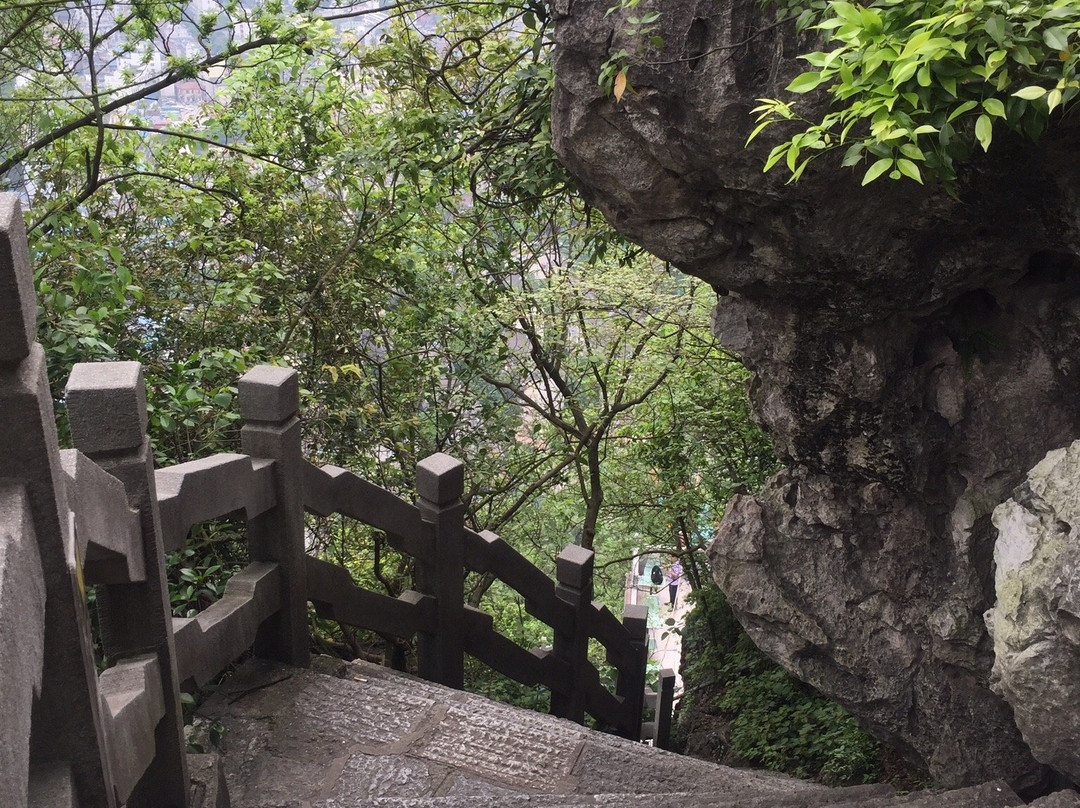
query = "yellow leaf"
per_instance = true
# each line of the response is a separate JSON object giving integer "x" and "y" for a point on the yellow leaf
{"x": 620, "y": 85}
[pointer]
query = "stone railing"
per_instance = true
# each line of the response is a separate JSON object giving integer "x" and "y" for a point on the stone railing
{"x": 100, "y": 515}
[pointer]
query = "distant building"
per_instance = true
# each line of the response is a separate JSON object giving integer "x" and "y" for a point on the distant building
{"x": 189, "y": 93}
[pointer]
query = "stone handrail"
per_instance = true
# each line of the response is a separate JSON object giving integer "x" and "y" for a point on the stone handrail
{"x": 575, "y": 685}
{"x": 101, "y": 515}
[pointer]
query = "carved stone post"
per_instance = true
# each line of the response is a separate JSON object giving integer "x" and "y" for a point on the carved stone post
{"x": 664, "y": 704}
{"x": 269, "y": 402}
{"x": 574, "y": 572}
{"x": 631, "y": 682}
{"x": 440, "y": 481}
{"x": 107, "y": 410}
{"x": 49, "y": 649}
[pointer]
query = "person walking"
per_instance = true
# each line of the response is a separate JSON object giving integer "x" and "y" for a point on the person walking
{"x": 674, "y": 576}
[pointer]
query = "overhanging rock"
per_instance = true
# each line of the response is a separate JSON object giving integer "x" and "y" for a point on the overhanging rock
{"x": 913, "y": 354}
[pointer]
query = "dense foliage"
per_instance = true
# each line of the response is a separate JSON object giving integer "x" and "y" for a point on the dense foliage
{"x": 381, "y": 211}
{"x": 740, "y": 707}
{"x": 915, "y": 88}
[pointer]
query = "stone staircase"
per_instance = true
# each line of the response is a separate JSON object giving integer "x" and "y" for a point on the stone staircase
{"x": 358, "y": 735}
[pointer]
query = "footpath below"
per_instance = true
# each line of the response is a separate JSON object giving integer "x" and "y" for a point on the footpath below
{"x": 361, "y": 735}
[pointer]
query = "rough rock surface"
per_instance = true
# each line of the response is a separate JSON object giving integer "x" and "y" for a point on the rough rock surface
{"x": 1036, "y": 620}
{"x": 914, "y": 355}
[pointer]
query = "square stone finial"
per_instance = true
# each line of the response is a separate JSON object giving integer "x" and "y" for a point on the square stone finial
{"x": 574, "y": 566}
{"x": 269, "y": 394}
{"x": 107, "y": 406}
{"x": 635, "y": 618}
{"x": 18, "y": 306}
{"x": 440, "y": 479}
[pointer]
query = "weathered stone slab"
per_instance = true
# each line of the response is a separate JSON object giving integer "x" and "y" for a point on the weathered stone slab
{"x": 299, "y": 739}
{"x": 368, "y": 777}
{"x": 610, "y": 765}
{"x": 321, "y": 714}
{"x": 504, "y": 748}
{"x": 22, "y": 631}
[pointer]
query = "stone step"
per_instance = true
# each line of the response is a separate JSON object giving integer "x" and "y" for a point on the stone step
{"x": 298, "y": 735}
{"x": 816, "y": 798}
{"x": 369, "y": 737}
{"x": 988, "y": 795}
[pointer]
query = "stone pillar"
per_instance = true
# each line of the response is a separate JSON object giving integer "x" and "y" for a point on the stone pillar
{"x": 107, "y": 410}
{"x": 574, "y": 572}
{"x": 64, "y": 724}
{"x": 269, "y": 402}
{"x": 440, "y": 481}
{"x": 631, "y": 683}
{"x": 665, "y": 700}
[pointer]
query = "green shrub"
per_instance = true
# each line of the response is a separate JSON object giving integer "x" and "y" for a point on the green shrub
{"x": 768, "y": 717}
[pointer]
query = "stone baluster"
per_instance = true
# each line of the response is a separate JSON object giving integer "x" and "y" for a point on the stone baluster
{"x": 269, "y": 402}
{"x": 574, "y": 572}
{"x": 48, "y": 652}
{"x": 107, "y": 410}
{"x": 665, "y": 701}
{"x": 440, "y": 481}
{"x": 631, "y": 683}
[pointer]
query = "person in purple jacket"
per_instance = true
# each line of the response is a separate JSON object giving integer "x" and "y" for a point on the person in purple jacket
{"x": 674, "y": 576}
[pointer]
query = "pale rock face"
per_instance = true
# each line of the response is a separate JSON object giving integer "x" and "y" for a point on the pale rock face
{"x": 913, "y": 355}
{"x": 1035, "y": 623}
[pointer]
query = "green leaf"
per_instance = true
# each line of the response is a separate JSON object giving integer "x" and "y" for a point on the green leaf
{"x": 852, "y": 155}
{"x": 912, "y": 151}
{"x": 775, "y": 156}
{"x": 995, "y": 27}
{"x": 1031, "y": 92}
{"x": 994, "y": 107}
{"x": 1053, "y": 99}
{"x": 909, "y": 169}
{"x": 960, "y": 110}
{"x": 984, "y": 131}
{"x": 877, "y": 169}
{"x": 1056, "y": 38}
{"x": 805, "y": 82}
{"x": 902, "y": 71}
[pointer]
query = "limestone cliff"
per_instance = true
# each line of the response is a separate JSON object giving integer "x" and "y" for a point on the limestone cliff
{"x": 914, "y": 354}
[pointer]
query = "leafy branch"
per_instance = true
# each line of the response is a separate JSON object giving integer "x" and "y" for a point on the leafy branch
{"x": 918, "y": 87}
